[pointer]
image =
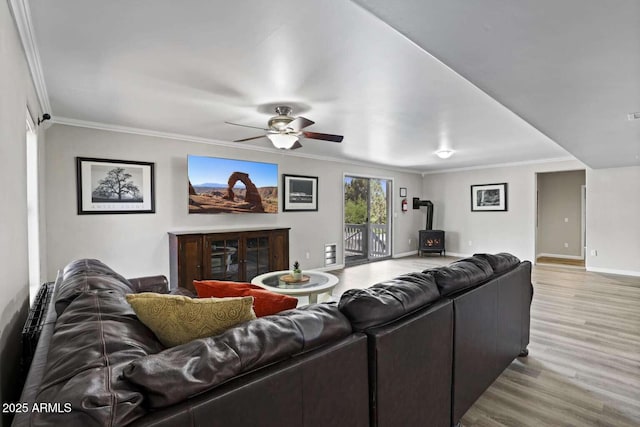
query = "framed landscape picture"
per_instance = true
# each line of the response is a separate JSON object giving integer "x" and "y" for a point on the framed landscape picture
{"x": 114, "y": 186}
{"x": 300, "y": 193}
{"x": 218, "y": 185}
{"x": 489, "y": 197}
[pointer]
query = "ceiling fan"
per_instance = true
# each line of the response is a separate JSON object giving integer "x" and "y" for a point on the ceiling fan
{"x": 284, "y": 130}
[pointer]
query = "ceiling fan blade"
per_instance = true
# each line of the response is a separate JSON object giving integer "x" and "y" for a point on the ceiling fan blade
{"x": 249, "y": 139}
{"x": 323, "y": 136}
{"x": 296, "y": 146}
{"x": 299, "y": 123}
{"x": 247, "y": 126}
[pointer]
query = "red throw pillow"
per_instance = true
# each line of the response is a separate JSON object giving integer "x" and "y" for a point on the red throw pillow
{"x": 264, "y": 302}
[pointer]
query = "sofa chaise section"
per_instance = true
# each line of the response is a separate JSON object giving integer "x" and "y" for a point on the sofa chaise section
{"x": 439, "y": 338}
{"x": 491, "y": 330}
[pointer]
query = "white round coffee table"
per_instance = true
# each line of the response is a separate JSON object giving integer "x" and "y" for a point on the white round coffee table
{"x": 319, "y": 282}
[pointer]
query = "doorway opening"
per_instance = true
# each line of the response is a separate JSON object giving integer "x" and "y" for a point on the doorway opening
{"x": 561, "y": 218}
{"x": 367, "y": 219}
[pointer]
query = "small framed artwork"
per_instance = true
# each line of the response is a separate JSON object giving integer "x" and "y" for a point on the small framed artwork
{"x": 489, "y": 197}
{"x": 403, "y": 192}
{"x": 114, "y": 186}
{"x": 300, "y": 193}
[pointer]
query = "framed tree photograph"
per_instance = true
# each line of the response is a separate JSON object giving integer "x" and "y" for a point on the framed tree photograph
{"x": 114, "y": 186}
{"x": 489, "y": 197}
{"x": 300, "y": 193}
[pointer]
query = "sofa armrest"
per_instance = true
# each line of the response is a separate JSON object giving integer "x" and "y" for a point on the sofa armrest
{"x": 37, "y": 368}
{"x": 158, "y": 284}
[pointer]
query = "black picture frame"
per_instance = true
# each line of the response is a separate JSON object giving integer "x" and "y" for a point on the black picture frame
{"x": 403, "y": 192}
{"x": 299, "y": 193}
{"x": 489, "y": 197}
{"x": 97, "y": 179}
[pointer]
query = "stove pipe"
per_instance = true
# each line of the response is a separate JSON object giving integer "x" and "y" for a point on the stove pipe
{"x": 416, "y": 205}
{"x": 429, "y": 206}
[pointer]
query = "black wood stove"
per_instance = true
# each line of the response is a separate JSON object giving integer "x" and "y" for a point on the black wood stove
{"x": 429, "y": 241}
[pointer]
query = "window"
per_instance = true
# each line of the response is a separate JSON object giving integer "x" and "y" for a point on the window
{"x": 33, "y": 209}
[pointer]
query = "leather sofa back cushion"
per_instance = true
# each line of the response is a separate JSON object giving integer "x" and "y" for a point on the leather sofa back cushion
{"x": 176, "y": 319}
{"x": 462, "y": 274}
{"x": 94, "y": 339}
{"x": 178, "y": 373}
{"x": 500, "y": 262}
{"x": 388, "y": 300}
{"x": 264, "y": 302}
{"x": 87, "y": 274}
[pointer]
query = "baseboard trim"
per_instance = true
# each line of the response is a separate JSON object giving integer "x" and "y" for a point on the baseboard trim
{"x": 614, "y": 271}
{"x": 560, "y": 256}
{"x": 404, "y": 254}
{"x": 330, "y": 267}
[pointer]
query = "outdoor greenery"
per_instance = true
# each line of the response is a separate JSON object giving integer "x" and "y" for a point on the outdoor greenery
{"x": 355, "y": 208}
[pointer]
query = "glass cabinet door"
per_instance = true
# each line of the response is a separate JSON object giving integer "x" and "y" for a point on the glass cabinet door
{"x": 222, "y": 256}
{"x": 257, "y": 256}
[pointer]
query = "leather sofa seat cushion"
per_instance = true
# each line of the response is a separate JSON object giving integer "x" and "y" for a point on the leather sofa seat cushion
{"x": 88, "y": 274}
{"x": 264, "y": 302}
{"x": 500, "y": 262}
{"x": 176, "y": 319}
{"x": 180, "y": 372}
{"x": 389, "y": 300}
{"x": 462, "y": 274}
{"x": 94, "y": 339}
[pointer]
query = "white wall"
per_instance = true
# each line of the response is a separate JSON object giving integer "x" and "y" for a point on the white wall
{"x": 471, "y": 232}
{"x": 613, "y": 220}
{"x": 16, "y": 93}
{"x": 560, "y": 213}
{"x": 138, "y": 244}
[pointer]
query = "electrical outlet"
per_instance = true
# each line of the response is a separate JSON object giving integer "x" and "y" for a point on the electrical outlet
{"x": 566, "y": 245}
{"x": 594, "y": 252}
{"x": 308, "y": 255}
{"x": 470, "y": 243}
{"x": 409, "y": 242}
{"x": 566, "y": 220}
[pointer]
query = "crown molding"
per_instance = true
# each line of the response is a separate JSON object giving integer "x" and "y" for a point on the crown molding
{"x": 22, "y": 16}
{"x": 190, "y": 138}
{"x": 504, "y": 165}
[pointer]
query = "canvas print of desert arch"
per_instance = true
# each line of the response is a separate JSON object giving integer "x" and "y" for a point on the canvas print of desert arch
{"x": 218, "y": 185}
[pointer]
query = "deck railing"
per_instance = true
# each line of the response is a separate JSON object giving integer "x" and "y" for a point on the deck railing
{"x": 357, "y": 244}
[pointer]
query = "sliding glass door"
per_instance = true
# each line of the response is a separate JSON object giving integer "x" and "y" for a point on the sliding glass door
{"x": 367, "y": 230}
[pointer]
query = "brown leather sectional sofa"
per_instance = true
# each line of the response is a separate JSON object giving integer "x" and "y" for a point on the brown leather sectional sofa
{"x": 417, "y": 350}
{"x": 439, "y": 338}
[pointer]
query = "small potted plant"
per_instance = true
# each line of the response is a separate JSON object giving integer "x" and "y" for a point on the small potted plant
{"x": 296, "y": 273}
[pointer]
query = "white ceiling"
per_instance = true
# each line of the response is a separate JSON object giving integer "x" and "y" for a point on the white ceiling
{"x": 186, "y": 67}
{"x": 571, "y": 68}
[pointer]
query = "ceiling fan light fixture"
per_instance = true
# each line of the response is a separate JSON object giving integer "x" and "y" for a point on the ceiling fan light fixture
{"x": 444, "y": 153}
{"x": 282, "y": 140}
{"x": 279, "y": 123}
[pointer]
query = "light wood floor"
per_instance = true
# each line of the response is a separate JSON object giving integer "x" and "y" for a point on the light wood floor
{"x": 583, "y": 367}
{"x": 560, "y": 261}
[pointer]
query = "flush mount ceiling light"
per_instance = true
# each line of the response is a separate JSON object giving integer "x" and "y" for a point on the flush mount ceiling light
{"x": 282, "y": 140}
{"x": 633, "y": 116}
{"x": 444, "y": 153}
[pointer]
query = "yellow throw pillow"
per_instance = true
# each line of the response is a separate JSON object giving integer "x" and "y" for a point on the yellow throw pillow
{"x": 176, "y": 319}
